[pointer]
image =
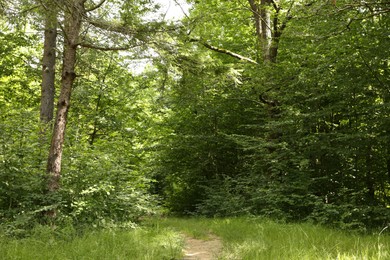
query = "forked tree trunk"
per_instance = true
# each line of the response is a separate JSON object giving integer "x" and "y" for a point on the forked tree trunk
{"x": 73, "y": 19}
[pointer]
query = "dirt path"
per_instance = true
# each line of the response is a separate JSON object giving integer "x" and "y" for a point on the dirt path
{"x": 202, "y": 249}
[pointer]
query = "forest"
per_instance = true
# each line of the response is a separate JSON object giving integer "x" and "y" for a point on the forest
{"x": 111, "y": 113}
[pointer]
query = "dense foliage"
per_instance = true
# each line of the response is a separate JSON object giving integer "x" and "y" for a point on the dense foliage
{"x": 209, "y": 127}
{"x": 305, "y": 138}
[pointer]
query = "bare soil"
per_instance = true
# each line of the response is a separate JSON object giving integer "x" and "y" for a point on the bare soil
{"x": 208, "y": 249}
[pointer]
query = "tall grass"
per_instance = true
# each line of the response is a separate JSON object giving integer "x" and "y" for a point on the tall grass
{"x": 242, "y": 238}
{"x": 246, "y": 238}
{"x": 104, "y": 244}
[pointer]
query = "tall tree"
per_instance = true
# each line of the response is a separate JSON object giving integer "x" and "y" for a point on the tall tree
{"x": 72, "y": 25}
{"x": 48, "y": 62}
{"x": 79, "y": 20}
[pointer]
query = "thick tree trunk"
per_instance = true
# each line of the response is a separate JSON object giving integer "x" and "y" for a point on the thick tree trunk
{"x": 48, "y": 68}
{"x": 262, "y": 17}
{"x": 266, "y": 32}
{"x": 72, "y": 30}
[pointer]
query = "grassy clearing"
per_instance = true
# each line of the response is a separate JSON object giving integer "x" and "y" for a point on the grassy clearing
{"x": 243, "y": 238}
{"x": 250, "y": 239}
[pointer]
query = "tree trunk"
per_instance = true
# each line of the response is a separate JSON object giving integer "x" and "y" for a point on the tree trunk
{"x": 256, "y": 15}
{"x": 48, "y": 68}
{"x": 370, "y": 179}
{"x": 73, "y": 19}
{"x": 266, "y": 33}
{"x": 262, "y": 18}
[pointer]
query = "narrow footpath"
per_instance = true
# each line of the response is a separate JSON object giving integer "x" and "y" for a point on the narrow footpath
{"x": 202, "y": 249}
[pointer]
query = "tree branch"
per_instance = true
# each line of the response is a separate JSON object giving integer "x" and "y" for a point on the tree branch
{"x": 272, "y": 103}
{"x": 130, "y": 31}
{"x": 103, "y": 48}
{"x": 182, "y": 9}
{"x": 288, "y": 17}
{"x": 224, "y": 51}
{"x": 276, "y": 7}
{"x": 112, "y": 27}
{"x": 96, "y": 6}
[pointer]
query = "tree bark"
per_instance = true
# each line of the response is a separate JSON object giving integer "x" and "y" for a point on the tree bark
{"x": 48, "y": 68}
{"x": 256, "y": 15}
{"x": 266, "y": 33}
{"x": 262, "y": 17}
{"x": 73, "y": 21}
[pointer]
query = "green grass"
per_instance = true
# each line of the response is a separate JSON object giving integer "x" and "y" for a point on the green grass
{"x": 246, "y": 238}
{"x": 134, "y": 244}
{"x": 243, "y": 238}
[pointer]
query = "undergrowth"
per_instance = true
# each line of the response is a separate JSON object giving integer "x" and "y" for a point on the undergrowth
{"x": 162, "y": 238}
{"x": 247, "y": 238}
{"x": 138, "y": 243}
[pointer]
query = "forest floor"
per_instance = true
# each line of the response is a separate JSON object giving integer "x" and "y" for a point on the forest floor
{"x": 202, "y": 249}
